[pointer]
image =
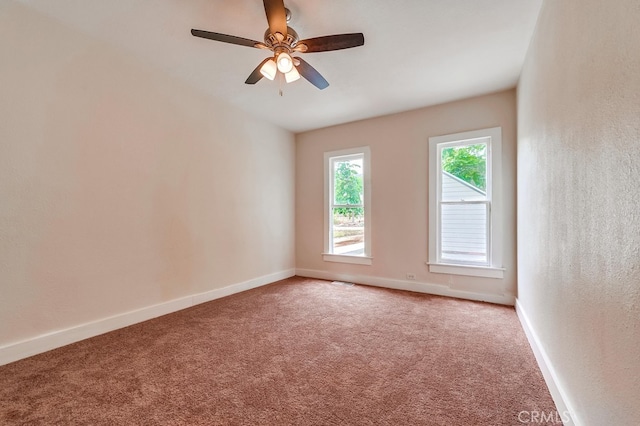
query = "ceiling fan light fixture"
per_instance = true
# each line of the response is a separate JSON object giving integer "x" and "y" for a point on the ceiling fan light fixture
{"x": 285, "y": 62}
{"x": 269, "y": 69}
{"x": 292, "y": 75}
{"x": 283, "y": 41}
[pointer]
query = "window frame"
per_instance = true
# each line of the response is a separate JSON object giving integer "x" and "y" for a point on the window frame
{"x": 494, "y": 202}
{"x": 330, "y": 158}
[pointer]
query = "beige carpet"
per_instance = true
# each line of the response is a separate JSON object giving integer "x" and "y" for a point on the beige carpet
{"x": 297, "y": 352}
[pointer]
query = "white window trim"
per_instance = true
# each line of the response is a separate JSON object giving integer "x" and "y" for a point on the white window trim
{"x": 327, "y": 256}
{"x": 494, "y": 167}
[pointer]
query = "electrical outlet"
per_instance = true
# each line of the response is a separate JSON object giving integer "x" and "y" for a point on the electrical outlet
{"x": 411, "y": 276}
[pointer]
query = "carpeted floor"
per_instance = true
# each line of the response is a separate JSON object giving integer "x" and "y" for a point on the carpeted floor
{"x": 297, "y": 352}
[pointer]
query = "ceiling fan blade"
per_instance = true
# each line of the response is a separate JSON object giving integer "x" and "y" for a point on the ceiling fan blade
{"x": 226, "y": 38}
{"x": 276, "y": 16}
{"x": 310, "y": 73}
{"x": 256, "y": 75}
{"x": 332, "y": 42}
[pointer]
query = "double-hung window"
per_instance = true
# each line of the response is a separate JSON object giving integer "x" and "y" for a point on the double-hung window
{"x": 347, "y": 206}
{"x": 465, "y": 203}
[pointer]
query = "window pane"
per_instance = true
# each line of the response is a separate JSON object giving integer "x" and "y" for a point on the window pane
{"x": 348, "y": 231}
{"x": 347, "y": 183}
{"x": 464, "y": 233}
{"x": 464, "y": 172}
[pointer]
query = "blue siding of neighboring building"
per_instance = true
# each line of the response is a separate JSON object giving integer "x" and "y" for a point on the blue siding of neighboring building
{"x": 464, "y": 226}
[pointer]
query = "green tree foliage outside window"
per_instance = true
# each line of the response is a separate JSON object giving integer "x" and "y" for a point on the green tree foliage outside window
{"x": 468, "y": 163}
{"x": 348, "y": 188}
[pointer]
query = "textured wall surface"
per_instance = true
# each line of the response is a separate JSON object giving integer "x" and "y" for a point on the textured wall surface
{"x": 399, "y": 175}
{"x": 121, "y": 188}
{"x": 579, "y": 202}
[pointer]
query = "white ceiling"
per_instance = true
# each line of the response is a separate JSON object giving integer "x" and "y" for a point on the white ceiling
{"x": 417, "y": 52}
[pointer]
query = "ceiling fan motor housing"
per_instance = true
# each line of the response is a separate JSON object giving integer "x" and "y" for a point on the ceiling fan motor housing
{"x": 280, "y": 43}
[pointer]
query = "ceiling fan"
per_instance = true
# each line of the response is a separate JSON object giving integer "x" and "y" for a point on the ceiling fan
{"x": 283, "y": 41}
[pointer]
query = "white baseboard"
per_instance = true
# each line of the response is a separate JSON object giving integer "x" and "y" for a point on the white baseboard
{"x": 417, "y": 286}
{"x": 558, "y": 393}
{"x": 243, "y": 286}
{"x": 45, "y": 342}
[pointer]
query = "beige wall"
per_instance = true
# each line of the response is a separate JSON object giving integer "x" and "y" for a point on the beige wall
{"x": 579, "y": 202}
{"x": 399, "y": 158}
{"x": 120, "y": 188}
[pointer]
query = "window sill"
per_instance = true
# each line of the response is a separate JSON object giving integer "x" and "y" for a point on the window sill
{"x": 341, "y": 258}
{"x": 472, "y": 271}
